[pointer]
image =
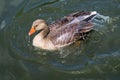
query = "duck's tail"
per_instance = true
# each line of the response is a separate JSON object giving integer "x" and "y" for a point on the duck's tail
{"x": 86, "y": 16}
{"x": 85, "y": 25}
{"x": 82, "y": 16}
{"x": 90, "y": 16}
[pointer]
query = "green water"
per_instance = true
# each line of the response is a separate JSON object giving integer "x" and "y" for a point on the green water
{"x": 97, "y": 58}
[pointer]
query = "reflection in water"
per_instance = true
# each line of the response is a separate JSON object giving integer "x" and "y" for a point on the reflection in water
{"x": 98, "y": 54}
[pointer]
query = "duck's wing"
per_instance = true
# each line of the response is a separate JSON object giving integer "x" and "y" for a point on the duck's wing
{"x": 81, "y": 16}
{"x": 69, "y": 33}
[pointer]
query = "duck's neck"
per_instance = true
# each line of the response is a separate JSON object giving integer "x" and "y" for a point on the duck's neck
{"x": 43, "y": 34}
{"x": 40, "y": 40}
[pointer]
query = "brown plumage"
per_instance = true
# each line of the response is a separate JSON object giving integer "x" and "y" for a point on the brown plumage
{"x": 62, "y": 32}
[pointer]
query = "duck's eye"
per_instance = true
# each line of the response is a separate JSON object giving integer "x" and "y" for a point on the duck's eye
{"x": 35, "y": 26}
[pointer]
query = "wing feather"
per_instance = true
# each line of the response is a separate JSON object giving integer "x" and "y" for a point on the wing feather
{"x": 70, "y": 28}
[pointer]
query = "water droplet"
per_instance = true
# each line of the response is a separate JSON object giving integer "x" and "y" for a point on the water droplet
{"x": 40, "y": 9}
{"x": 28, "y": 40}
{"x": 3, "y": 24}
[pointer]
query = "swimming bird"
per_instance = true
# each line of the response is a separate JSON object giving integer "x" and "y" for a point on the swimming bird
{"x": 62, "y": 32}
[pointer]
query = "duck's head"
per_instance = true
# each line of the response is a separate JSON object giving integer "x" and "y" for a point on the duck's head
{"x": 38, "y": 25}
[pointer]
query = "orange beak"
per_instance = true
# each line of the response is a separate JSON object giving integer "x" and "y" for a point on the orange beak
{"x": 32, "y": 31}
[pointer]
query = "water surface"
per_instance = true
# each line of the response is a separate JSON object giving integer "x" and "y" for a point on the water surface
{"x": 98, "y": 57}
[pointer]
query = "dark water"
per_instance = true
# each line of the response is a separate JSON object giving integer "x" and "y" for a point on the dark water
{"x": 97, "y": 58}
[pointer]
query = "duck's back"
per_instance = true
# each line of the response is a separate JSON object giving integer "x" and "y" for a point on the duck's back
{"x": 70, "y": 28}
{"x": 86, "y": 16}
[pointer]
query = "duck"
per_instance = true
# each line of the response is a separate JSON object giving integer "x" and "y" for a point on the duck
{"x": 62, "y": 32}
